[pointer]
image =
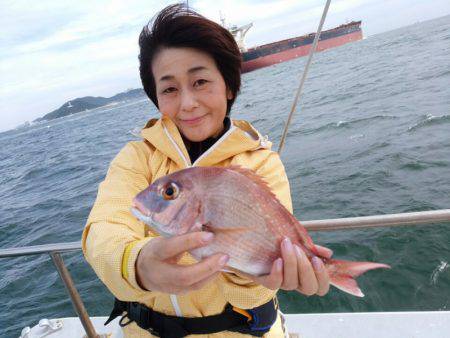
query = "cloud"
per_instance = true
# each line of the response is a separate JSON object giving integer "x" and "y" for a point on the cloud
{"x": 274, "y": 20}
{"x": 27, "y": 22}
{"x": 54, "y": 51}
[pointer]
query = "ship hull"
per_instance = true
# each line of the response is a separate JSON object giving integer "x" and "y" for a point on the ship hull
{"x": 296, "y": 52}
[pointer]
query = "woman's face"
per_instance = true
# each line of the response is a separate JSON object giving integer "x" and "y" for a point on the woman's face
{"x": 190, "y": 91}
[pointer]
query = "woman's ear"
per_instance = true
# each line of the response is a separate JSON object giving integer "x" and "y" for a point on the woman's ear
{"x": 229, "y": 94}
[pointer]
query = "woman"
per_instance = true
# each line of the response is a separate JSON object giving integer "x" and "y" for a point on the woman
{"x": 190, "y": 69}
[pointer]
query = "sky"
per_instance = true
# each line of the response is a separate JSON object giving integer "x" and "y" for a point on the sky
{"x": 55, "y": 51}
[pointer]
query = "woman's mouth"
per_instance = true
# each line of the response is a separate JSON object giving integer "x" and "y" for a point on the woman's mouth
{"x": 193, "y": 121}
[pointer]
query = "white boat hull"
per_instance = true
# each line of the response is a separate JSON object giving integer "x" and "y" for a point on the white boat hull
{"x": 432, "y": 324}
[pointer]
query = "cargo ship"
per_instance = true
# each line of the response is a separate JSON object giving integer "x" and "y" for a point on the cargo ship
{"x": 284, "y": 50}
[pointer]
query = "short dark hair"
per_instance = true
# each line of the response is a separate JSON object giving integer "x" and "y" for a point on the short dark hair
{"x": 178, "y": 26}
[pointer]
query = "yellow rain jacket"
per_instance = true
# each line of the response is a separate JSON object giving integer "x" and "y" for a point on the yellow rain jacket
{"x": 113, "y": 237}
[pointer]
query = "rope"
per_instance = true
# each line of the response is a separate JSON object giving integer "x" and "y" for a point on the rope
{"x": 305, "y": 73}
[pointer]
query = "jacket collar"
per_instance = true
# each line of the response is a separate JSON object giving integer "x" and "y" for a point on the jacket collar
{"x": 163, "y": 134}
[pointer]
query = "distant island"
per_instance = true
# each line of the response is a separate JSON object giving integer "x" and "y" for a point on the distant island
{"x": 90, "y": 102}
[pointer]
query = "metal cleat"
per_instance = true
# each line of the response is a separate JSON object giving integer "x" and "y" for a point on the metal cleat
{"x": 43, "y": 329}
{"x": 50, "y": 325}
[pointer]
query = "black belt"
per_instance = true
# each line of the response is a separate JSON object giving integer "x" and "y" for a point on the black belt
{"x": 256, "y": 321}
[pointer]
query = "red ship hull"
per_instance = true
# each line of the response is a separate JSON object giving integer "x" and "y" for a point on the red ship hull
{"x": 297, "y": 52}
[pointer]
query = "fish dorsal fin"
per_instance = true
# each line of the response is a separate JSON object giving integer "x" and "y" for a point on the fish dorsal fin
{"x": 253, "y": 176}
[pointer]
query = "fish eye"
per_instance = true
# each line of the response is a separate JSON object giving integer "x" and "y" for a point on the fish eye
{"x": 170, "y": 191}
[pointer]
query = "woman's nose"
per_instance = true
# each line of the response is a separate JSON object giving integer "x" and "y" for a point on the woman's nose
{"x": 188, "y": 101}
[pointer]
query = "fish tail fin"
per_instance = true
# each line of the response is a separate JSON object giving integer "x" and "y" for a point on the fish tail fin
{"x": 343, "y": 274}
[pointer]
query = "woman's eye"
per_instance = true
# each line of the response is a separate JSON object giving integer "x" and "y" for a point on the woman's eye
{"x": 200, "y": 82}
{"x": 169, "y": 90}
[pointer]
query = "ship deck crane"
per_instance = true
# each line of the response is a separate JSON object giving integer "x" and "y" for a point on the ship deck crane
{"x": 239, "y": 35}
{"x": 237, "y": 32}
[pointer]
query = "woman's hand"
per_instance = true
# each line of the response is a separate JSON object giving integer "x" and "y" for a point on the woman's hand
{"x": 294, "y": 271}
{"x": 157, "y": 268}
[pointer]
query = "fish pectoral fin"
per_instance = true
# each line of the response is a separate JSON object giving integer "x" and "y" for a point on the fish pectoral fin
{"x": 227, "y": 230}
{"x": 217, "y": 229}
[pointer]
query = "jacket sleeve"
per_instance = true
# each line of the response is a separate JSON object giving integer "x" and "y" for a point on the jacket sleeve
{"x": 240, "y": 291}
{"x": 113, "y": 237}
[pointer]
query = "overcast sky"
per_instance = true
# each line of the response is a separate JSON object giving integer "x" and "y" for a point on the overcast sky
{"x": 55, "y": 51}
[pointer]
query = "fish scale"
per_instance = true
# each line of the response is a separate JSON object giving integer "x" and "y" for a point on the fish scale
{"x": 246, "y": 218}
{"x": 243, "y": 216}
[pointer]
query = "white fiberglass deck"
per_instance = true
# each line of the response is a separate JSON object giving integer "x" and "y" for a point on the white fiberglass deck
{"x": 435, "y": 324}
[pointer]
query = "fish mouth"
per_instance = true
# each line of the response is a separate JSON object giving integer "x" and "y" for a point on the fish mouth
{"x": 147, "y": 219}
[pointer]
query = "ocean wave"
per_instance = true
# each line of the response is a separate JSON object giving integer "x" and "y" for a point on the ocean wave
{"x": 429, "y": 120}
{"x": 37, "y": 174}
{"x": 34, "y": 173}
{"x": 356, "y": 136}
{"x": 330, "y": 99}
{"x": 136, "y": 132}
{"x": 431, "y": 75}
{"x": 17, "y": 133}
{"x": 259, "y": 120}
{"x": 414, "y": 166}
{"x": 365, "y": 119}
{"x": 49, "y": 203}
{"x": 438, "y": 271}
{"x": 346, "y": 124}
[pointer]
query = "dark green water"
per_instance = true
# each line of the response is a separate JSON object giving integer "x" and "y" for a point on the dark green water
{"x": 372, "y": 137}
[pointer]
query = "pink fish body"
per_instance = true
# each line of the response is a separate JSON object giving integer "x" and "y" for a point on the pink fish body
{"x": 246, "y": 218}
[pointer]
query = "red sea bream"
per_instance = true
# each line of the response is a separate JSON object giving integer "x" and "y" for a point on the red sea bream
{"x": 246, "y": 218}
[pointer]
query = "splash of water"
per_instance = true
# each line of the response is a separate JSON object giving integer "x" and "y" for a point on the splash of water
{"x": 136, "y": 132}
{"x": 436, "y": 272}
{"x": 356, "y": 136}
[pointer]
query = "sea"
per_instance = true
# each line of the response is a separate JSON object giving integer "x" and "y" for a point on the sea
{"x": 371, "y": 136}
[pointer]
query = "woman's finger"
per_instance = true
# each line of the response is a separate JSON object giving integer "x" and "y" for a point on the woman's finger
{"x": 271, "y": 281}
{"x": 156, "y": 269}
{"x": 177, "y": 279}
{"x": 187, "y": 275}
{"x": 323, "y": 251}
{"x": 307, "y": 277}
{"x": 151, "y": 275}
{"x": 322, "y": 276}
{"x": 166, "y": 248}
{"x": 290, "y": 271}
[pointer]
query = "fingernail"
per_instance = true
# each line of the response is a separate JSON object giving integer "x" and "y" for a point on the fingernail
{"x": 223, "y": 260}
{"x": 317, "y": 263}
{"x": 287, "y": 244}
{"x": 298, "y": 251}
{"x": 207, "y": 236}
{"x": 279, "y": 264}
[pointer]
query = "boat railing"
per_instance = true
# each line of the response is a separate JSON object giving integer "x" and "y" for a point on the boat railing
{"x": 54, "y": 250}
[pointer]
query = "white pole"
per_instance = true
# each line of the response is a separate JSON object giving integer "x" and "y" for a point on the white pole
{"x": 305, "y": 72}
